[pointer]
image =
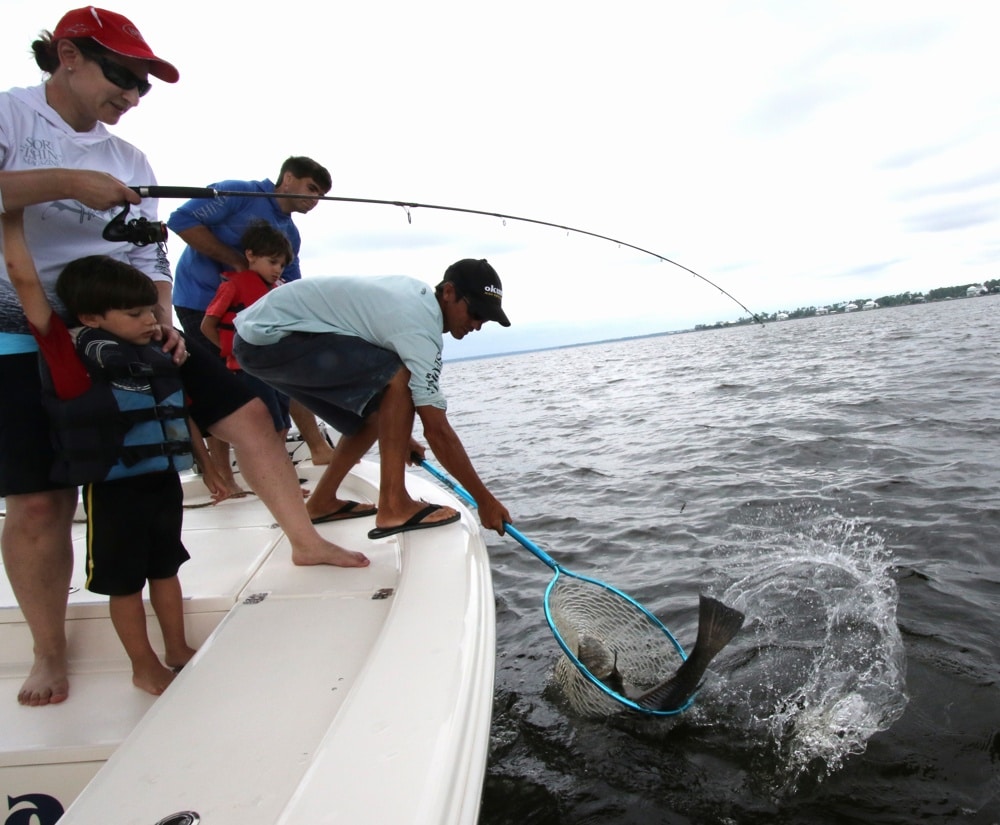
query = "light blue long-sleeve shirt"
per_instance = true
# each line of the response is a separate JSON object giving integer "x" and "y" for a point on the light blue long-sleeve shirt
{"x": 395, "y": 312}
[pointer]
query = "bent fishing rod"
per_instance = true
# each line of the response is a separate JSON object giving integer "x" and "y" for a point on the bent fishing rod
{"x": 191, "y": 192}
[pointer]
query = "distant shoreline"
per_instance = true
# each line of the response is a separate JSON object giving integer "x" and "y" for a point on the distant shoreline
{"x": 763, "y": 320}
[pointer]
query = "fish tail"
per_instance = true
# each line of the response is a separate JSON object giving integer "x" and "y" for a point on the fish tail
{"x": 717, "y": 625}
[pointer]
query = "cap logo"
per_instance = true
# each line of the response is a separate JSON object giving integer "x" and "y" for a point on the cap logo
{"x": 495, "y": 291}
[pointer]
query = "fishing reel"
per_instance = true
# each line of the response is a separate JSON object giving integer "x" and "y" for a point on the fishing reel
{"x": 138, "y": 231}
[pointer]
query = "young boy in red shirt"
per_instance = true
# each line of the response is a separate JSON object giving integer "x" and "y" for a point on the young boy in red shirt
{"x": 268, "y": 252}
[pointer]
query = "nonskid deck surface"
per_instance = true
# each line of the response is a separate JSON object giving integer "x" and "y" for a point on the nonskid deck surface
{"x": 230, "y": 544}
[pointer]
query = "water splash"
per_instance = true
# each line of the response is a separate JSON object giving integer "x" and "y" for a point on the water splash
{"x": 820, "y": 667}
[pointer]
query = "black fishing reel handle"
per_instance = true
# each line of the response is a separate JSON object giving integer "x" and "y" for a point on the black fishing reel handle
{"x": 185, "y": 192}
{"x": 138, "y": 231}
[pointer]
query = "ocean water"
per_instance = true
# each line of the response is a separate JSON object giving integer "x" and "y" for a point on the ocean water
{"x": 834, "y": 478}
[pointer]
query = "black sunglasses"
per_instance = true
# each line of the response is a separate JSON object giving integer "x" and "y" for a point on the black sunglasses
{"x": 475, "y": 316}
{"x": 116, "y": 73}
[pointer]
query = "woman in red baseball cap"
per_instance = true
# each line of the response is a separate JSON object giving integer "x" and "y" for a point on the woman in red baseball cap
{"x": 69, "y": 176}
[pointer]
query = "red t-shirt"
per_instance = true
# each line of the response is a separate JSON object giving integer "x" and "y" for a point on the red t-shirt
{"x": 237, "y": 291}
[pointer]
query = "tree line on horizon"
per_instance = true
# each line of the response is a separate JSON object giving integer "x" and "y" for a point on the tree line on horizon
{"x": 943, "y": 293}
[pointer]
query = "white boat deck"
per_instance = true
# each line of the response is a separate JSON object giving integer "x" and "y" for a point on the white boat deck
{"x": 318, "y": 694}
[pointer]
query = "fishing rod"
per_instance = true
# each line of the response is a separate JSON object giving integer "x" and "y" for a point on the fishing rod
{"x": 145, "y": 232}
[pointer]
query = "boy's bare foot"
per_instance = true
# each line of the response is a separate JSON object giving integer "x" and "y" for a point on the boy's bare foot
{"x": 47, "y": 684}
{"x": 326, "y": 552}
{"x": 152, "y": 678}
{"x": 321, "y": 454}
{"x": 176, "y": 659}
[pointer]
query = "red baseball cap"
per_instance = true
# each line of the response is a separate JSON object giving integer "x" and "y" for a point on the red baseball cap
{"x": 117, "y": 34}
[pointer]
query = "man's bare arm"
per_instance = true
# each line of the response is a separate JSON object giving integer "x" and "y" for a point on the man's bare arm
{"x": 449, "y": 450}
{"x": 203, "y": 240}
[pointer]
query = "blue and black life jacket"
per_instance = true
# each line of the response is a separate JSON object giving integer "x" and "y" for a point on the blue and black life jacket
{"x": 130, "y": 422}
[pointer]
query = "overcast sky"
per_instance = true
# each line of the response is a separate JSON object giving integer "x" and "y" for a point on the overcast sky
{"x": 793, "y": 153}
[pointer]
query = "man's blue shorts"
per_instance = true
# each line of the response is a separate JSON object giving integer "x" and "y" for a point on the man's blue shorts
{"x": 276, "y": 402}
{"x": 339, "y": 377}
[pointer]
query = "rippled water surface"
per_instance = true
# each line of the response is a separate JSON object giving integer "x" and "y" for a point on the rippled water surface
{"x": 836, "y": 479}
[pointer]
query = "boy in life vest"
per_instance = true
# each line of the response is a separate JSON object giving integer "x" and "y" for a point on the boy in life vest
{"x": 119, "y": 428}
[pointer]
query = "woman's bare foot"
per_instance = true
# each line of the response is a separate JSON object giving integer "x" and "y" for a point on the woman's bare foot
{"x": 326, "y": 552}
{"x": 47, "y": 684}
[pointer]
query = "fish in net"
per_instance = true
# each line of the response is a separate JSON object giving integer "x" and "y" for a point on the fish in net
{"x": 617, "y": 653}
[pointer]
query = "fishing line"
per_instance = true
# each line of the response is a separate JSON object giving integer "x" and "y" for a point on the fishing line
{"x": 190, "y": 192}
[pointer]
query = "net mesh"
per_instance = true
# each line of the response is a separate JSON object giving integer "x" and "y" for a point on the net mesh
{"x": 609, "y": 634}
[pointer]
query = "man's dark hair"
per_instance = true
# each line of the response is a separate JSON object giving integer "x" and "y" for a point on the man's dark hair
{"x": 302, "y": 167}
{"x": 265, "y": 240}
{"x": 97, "y": 283}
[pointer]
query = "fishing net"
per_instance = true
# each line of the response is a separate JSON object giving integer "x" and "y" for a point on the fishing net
{"x": 613, "y": 648}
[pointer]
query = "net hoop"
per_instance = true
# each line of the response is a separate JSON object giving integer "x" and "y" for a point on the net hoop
{"x": 571, "y": 654}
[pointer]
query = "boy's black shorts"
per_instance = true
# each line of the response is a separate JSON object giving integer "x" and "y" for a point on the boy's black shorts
{"x": 133, "y": 532}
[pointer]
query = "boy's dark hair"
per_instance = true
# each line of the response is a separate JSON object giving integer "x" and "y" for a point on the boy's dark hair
{"x": 264, "y": 240}
{"x": 303, "y": 167}
{"x": 97, "y": 283}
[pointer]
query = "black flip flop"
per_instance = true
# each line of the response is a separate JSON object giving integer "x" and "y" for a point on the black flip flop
{"x": 414, "y": 522}
{"x": 346, "y": 512}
